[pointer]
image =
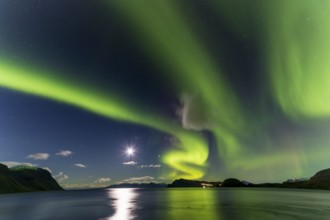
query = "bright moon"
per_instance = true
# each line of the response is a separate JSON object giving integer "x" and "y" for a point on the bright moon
{"x": 130, "y": 151}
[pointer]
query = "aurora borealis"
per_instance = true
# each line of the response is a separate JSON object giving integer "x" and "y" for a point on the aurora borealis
{"x": 216, "y": 89}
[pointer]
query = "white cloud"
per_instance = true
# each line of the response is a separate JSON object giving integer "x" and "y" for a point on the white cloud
{"x": 14, "y": 164}
{"x": 38, "y": 156}
{"x": 64, "y": 153}
{"x": 193, "y": 113}
{"x": 151, "y": 166}
{"x": 102, "y": 180}
{"x": 61, "y": 177}
{"x": 142, "y": 179}
{"x": 80, "y": 165}
{"x": 130, "y": 163}
{"x": 47, "y": 168}
{"x": 80, "y": 186}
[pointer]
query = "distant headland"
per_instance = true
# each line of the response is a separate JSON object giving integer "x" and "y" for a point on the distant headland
{"x": 321, "y": 180}
{"x": 26, "y": 179}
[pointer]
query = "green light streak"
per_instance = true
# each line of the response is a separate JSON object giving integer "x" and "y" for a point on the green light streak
{"x": 50, "y": 85}
{"x": 293, "y": 36}
{"x": 190, "y": 163}
{"x": 294, "y": 39}
{"x": 299, "y": 57}
{"x": 53, "y": 86}
{"x": 164, "y": 33}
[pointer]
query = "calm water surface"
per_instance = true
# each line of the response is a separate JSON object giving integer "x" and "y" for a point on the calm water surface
{"x": 188, "y": 204}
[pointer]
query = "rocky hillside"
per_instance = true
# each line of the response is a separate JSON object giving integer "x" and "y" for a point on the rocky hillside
{"x": 321, "y": 180}
{"x": 232, "y": 182}
{"x": 26, "y": 179}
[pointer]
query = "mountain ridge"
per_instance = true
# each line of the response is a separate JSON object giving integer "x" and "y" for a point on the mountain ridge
{"x": 321, "y": 180}
{"x": 26, "y": 179}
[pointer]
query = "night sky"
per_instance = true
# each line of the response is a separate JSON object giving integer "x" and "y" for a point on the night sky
{"x": 199, "y": 89}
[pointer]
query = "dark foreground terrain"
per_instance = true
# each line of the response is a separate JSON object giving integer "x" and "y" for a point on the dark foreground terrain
{"x": 26, "y": 179}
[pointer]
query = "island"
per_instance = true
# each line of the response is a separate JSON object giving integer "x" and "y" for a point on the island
{"x": 26, "y": 179}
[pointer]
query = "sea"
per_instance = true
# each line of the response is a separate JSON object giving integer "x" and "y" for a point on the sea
{"x": 168, "y": 203}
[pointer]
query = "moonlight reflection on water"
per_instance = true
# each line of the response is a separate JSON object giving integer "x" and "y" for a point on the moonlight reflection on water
{"x": 123, "y": 203}
{"x": 168, "y": 204}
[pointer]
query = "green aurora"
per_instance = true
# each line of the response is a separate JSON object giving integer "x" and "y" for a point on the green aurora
{"x": 192, "y": 149}
{"x": 294, "y": 40}
{"x": 190, "y": 66}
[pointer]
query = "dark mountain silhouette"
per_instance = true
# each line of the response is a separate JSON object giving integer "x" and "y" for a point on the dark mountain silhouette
{"x": 193, "y": 183}
{"x": 321, "y": 180}
{"x": 232, "y": 182}
{"x": 26, "y": 179}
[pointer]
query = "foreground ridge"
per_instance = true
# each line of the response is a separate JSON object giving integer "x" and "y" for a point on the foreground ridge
{"x": 26, "y": 179}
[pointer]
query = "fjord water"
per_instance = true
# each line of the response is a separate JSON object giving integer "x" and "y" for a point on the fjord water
{"x": 205, "y": 204}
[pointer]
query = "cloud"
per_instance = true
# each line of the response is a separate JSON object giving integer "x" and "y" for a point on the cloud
{"x": 130, "y": 163}
{"x": 14, "y": 164}
{"x": 61, "y": 177}
{"x": 102, "y": 180}
{"x": 192, "y": 113}
{"x": 80, "y": 165}
{"x": 38, "y": 156}
{"x": 143, "y": 179}
{"x": 47, "y": 168}
{"x": 151, "y": 166}
{"x": 80, "y": 186}
{"x": 64, "y": 153}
